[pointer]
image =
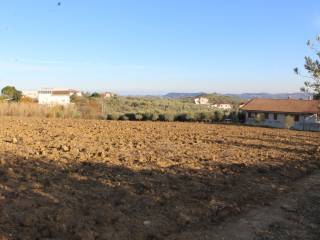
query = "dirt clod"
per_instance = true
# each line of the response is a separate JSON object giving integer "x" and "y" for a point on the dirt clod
{"x": 88, "y": 179}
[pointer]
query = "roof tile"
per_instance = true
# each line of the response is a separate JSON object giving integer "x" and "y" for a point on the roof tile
{"x": 283, "y": 105}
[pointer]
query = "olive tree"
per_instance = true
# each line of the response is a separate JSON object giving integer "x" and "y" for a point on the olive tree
{"x": 11, "y": 93}
{"x": 312, "y": 66}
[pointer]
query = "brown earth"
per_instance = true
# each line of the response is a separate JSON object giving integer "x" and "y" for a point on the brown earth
{"x": 86, "y": 179}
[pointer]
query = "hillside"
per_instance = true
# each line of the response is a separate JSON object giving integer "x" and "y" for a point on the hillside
{"x": 213, "y": 97}
{"x": 233, "y": 97}
{"x": 297, "y": 95}
{"x": 175, "y": 95}
{"x": 218, "y": 98}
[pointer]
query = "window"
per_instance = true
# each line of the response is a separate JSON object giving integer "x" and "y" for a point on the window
{"x": 45, "y": 92}
{"x": 296, "y": 118}
{"x": 266, "y": 115}
{"x": 250, "y": 115}
{"x": 275, "y": 116}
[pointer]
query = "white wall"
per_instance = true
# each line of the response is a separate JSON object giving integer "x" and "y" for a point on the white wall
{"x": 224, "y": 106}
{"x": 201, "y": 100}
{"x": 49, "y": 99}
{"x": 306, "y": 122}
{"x": 279, "y": 123}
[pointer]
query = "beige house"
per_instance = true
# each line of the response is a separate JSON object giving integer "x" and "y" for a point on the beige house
{"x": 107, "y": 94}
{"x": 201, "y": 100}
{"x": 223, "y": 106}
{"x": 283, "y": 113}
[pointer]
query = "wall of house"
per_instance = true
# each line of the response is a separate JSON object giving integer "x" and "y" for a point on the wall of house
{"x": 223, "y": 106}
{"x": 49, "y": 99}
{"x": 279, "y": 123}
{"x": 201, "y": 100}
{"x": 309, "y": 122}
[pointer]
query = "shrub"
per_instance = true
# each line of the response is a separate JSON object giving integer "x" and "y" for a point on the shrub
{"x": 204, "y": 117}
{"x": 123, "y": 118}
{"x": 149, "y": 116}
{"x": 218, "y": 116}
{"x": 88, "y": 107}
{"x": 130, "y": 116}
{"x": 112, "y": 116}
{"x": 138, "y": 116}
{"x": 26, "y": 100}
{"x": 241, "y": 117}
{"x": 259, "y": 118}
{"x": 154, "y": 117}
{"x": 146, "y": 116}
{"x": 184, "y": 117}
{"x": 288, "y": 121}
{"x": 166, "y": 117}
{"x": 56, "y": 112}
{"x": 95, "y": 95}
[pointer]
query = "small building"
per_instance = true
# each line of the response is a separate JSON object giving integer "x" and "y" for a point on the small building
{"x": 283, "y": 113}
{"x": 201, "y": 100}
{"x": 107, "y": 95}
{"x": 55, "y": 96}
{"x": 223, "y": 106}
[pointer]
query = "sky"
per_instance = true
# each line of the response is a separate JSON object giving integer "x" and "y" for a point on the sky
{"x": 156, "y": 46}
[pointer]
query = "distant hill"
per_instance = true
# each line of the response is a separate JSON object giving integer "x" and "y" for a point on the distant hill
{"x": 231, "y": 98}
{"x": 297, "y": 95}
{"x": 175, "y": 95}
{"x": 213, "y": 97}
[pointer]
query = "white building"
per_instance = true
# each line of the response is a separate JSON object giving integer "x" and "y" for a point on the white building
{"x": 201, "y": 100}
{"x": 284, "y": 113}
{"x": 107, "y": 94}
{"x": 223, "y": 106}
{"x": 55, "y": 96}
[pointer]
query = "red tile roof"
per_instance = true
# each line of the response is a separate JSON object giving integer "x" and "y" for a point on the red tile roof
{"x": 282, "y": 105}
{"x": 60, "y": 92}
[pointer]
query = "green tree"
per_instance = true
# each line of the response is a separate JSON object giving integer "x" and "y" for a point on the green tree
{"x": 312, "y": 66}
{"x": 10, "y": 92}
{"x": 95, "y": 95}
{"x": 218, "y": 116}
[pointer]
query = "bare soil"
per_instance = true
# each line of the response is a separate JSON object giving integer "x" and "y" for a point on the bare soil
{"x": 87, "y": 179}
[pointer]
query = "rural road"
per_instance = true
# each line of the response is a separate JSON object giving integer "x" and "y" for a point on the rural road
{"x": 294, "y": 215}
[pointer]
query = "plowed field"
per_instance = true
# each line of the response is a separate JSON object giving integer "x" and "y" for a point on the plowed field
{"x": 87, "y": 179}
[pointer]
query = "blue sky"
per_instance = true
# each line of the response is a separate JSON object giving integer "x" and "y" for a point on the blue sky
{"x": 156, "y": 46}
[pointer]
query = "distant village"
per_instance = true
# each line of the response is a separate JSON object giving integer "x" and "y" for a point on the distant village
{"x": 222, "y": 105}
{"x": 279, "y": 113}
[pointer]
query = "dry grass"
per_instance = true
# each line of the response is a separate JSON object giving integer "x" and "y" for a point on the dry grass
{"x": 36, "y": 110}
